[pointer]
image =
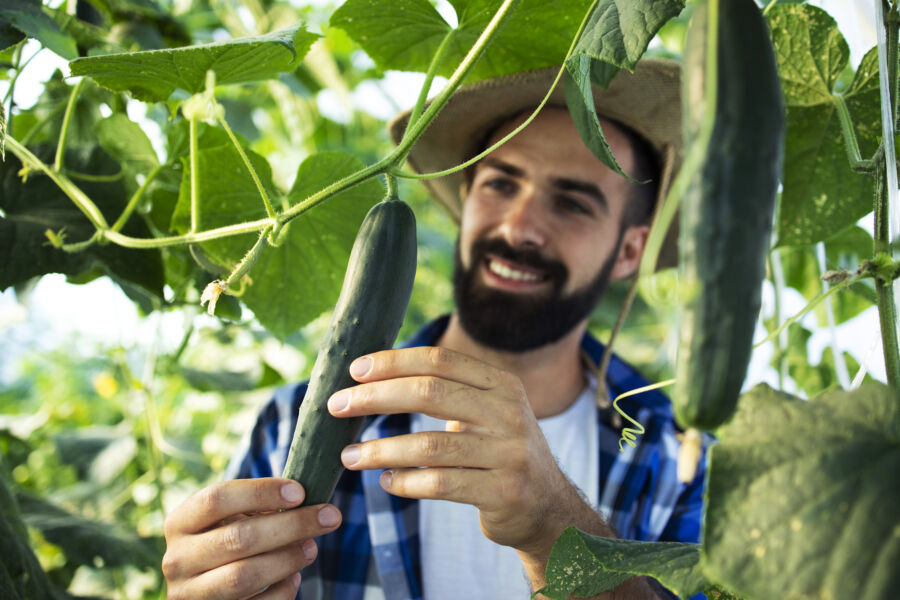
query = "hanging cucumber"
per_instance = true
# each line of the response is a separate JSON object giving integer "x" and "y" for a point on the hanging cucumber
{"x": 366, "y": 319}
{"x": 727, "y": 210}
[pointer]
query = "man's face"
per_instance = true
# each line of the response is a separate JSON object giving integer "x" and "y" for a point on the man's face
{"x": 541, "y": 235}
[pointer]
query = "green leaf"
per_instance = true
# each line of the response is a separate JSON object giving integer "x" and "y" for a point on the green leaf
{"x": 406, "y": 35}
{"x": 83, "y": 539}
{"x": 803, "y": 496}
{"x": 396, "y": 34}
{"x": 153, "y": 75}
{"x": 126, "y": 142}
{"x": 299, "y": 280}
{"x": 21, "y": 575}
{"x": 38, "y": 205}
{"x": 586, "y": 565}
{"x": 28, "y": 17}
{"x": 2, "y": 132}
{"x": 580, "y": 99}
{"x": 619, "y": 31}
{"x": 821, "y": 194}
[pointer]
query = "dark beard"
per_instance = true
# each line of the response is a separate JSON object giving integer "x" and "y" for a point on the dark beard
{"x": 515, "y": 322}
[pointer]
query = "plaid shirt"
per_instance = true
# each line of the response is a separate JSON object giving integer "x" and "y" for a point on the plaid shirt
{"x": 378, "y": 544}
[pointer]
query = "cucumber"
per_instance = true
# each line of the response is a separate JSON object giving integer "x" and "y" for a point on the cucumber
{"x": 366, "y": 319}
{"x": 727, "y": 210}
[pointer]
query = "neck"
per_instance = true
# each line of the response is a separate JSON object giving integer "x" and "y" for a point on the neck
{"x": 553, "y": 375}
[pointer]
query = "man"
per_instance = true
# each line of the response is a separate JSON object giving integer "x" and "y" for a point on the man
{"x": 483, "y": 441}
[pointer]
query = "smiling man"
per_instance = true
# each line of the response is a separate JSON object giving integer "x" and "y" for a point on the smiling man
{"x": 483, "y": 440}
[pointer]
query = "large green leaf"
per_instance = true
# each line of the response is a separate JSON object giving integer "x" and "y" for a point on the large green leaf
{"x": 153, "y": 75}
{"x": 300, "y": 279}
{"x": 803, "y": 496}
{"x": 586, "y": 565}
{"x": 297, "y": 281}
{"x": 38, "y": 205}
{"x": 821, "y": 195}
{"x": 83, "y": 539}
{"x": 21, "y": 575}
{"x": 406, "y": 35}
{"x": 28, "y": 17}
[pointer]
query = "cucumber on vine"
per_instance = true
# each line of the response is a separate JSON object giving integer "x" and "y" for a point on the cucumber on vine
{"x": 366, "y": 319}
{"x": 727, "y": 210}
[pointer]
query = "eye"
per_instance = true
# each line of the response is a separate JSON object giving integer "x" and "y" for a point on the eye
{"x": 502, "y": 185}
{"x": 572, "y": 205}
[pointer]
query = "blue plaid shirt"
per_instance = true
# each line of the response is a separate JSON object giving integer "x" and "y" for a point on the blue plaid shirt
{"x": 378, "y": 544}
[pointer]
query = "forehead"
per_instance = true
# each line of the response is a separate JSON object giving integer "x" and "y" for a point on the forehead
{"x": 552, "y": 141}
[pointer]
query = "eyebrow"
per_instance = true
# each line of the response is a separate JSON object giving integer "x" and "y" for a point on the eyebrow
{"x": 566, "y": 184}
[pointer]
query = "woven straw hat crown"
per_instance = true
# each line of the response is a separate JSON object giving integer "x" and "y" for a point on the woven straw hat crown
{"x": 647, "y": 101}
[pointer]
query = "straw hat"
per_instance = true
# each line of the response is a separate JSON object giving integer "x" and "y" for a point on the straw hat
{"x": 647, "y": 101}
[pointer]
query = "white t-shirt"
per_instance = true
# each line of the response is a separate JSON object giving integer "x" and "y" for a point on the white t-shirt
{"x": 458, "y": 561}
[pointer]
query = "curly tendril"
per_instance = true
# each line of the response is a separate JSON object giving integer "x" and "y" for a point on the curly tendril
{"x": 629, "y": 434}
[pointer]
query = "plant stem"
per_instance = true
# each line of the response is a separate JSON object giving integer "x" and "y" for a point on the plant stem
{"x": 769, "y": 6}
{"x": 195, "y": 181}
{"x": 249, "y": 259}
{"x": 887, "y": 307}
{"x": 71, "y": 190}
{"x": 67, "y": 121}
{"x": 188, "y": 238}
{"x": 436, "y": 61}
{"x": 259, "y": 186}
{"x": 132, "y": 204}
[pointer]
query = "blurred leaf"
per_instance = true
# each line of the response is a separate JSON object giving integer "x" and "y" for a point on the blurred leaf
{"x": 83, "y": 539}
{"x": 586, "y": 565}
{"x": 802, "y": 496}
{"x": 153, "y": 75}
{"x": 39, "y": 205}
{"x": 80, "y": 447}
{"x": 21, "y": 575}
{"x": 220, "y": 381}
{"x": 28, "y": 17}
{"x": 126, "y": 142}
{"x": 821, "y": 194}
{"x": 406, "y": 35}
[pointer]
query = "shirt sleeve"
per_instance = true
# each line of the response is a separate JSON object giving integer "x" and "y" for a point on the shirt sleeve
{"x": 263, "y": 451}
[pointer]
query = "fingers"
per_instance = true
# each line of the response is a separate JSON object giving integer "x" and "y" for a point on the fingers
{"x": 263, "y": 574}
{"x": 434, "y": 396}
{"x": 223, "y": 500}
{"x": 427, "y": 449}
{"x": 428, "y": 360}
{"x": 249, "y": 537}
{"x": 286, "y": 589}
{"x": 481, "y": 488}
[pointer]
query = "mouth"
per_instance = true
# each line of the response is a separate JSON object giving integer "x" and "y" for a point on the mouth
{"x": 513, "y": 276}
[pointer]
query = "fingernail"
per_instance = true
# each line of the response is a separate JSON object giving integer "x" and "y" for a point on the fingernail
{"x": 295, "y": 580}
{"x": 292, "y": 492}
{"x": 329, "y": 516}
{"x": 339, "y": 401}
{"x": 350, "y": 455}
{"x": 386, "y": 478}
{"x": 309, "y": 550}
{"x": 360, "y": 366}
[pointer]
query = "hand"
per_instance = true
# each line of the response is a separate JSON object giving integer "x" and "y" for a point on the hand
{"x": 493, "y": 454}
{"x": 230, "y": 541}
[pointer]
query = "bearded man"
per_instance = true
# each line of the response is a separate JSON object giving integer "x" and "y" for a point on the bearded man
{"x": 483, "y": 439}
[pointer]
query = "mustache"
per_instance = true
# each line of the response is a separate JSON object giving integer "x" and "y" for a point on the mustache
{"x": 555, "y": 270}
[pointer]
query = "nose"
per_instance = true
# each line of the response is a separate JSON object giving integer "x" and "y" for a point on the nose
{"x": 522, "y": 223}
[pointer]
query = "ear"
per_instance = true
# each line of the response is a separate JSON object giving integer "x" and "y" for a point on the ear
{"x": 630, "y": 251}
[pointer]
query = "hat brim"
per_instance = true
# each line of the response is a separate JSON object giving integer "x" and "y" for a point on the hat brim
{"x": 647, "y": 101}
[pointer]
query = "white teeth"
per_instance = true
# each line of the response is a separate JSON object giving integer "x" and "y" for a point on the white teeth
{"x": 507, "y": 273}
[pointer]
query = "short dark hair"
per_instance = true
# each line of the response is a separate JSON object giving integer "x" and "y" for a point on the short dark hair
{"x": 647, "y": 170}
